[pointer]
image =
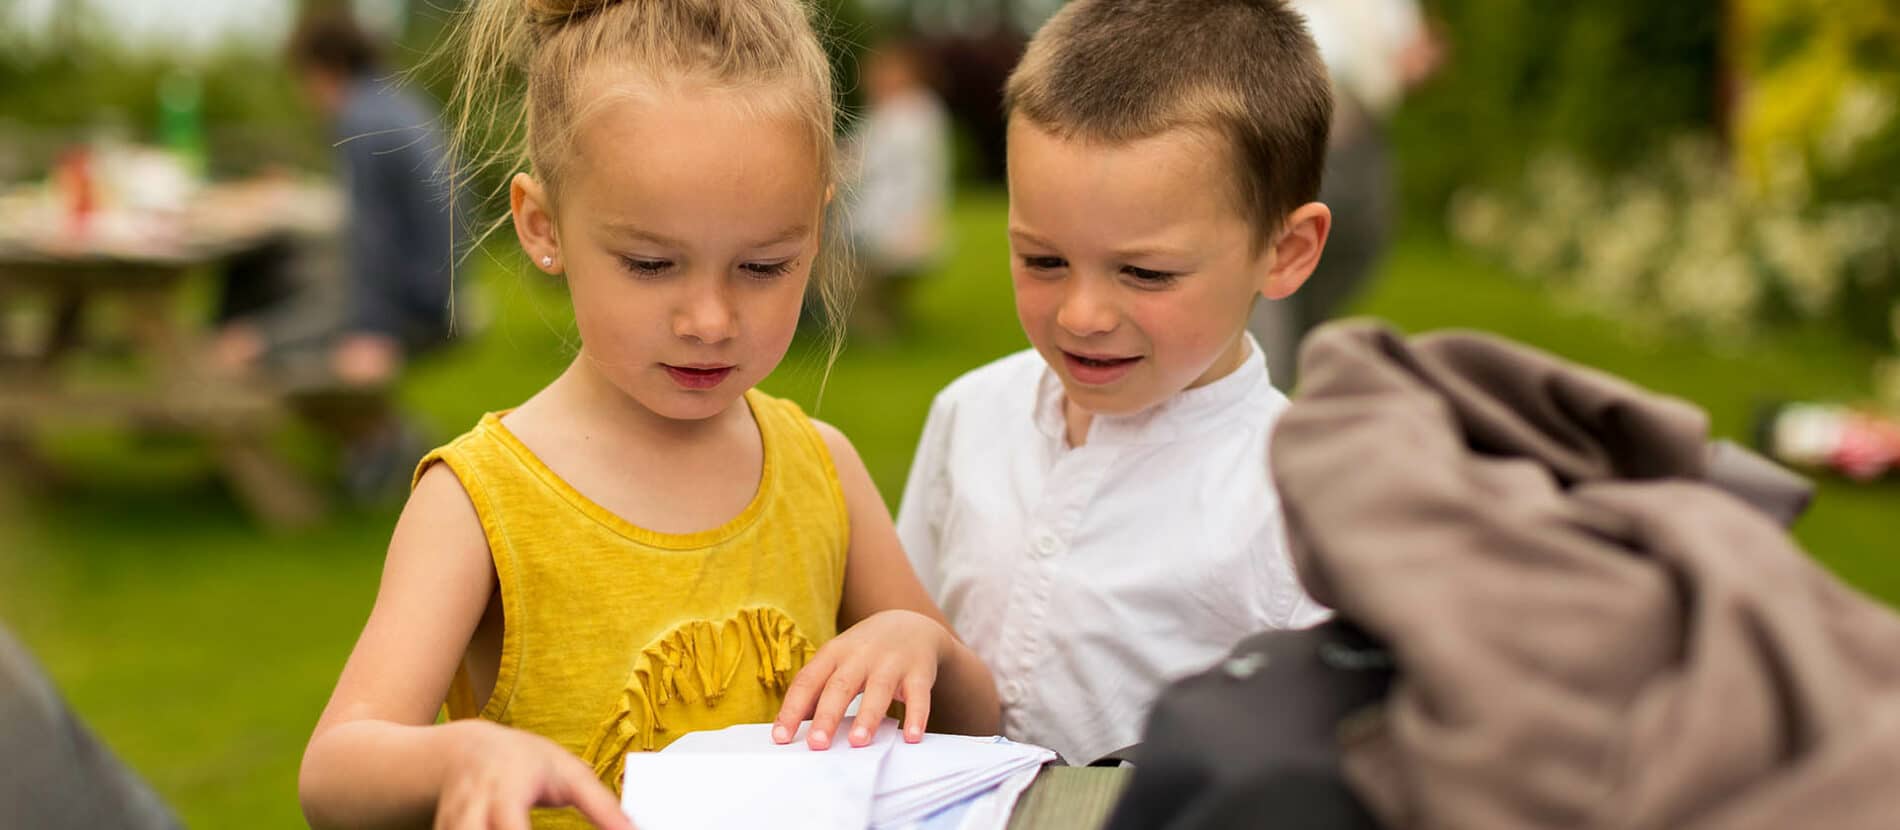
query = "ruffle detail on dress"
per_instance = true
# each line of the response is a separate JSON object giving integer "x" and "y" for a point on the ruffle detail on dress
{"x": 694, "y": 663}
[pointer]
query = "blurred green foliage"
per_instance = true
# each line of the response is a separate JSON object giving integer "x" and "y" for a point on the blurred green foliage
{"x": 1823, "y": 80}
{"x": 1608, "y": 80}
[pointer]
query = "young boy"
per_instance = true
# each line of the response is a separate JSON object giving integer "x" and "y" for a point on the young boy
{"x": 1096, "y": 515}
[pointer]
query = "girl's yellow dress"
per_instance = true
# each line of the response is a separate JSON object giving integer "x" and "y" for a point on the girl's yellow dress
{"x": 619, "y": 639}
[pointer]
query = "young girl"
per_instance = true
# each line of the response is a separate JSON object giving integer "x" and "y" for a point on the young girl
{"x": 648, "y": 546}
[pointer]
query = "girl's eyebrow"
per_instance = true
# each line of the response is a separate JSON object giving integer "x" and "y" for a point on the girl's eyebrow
{"x": 626, "y": 230}
{"x": 787, "y": 235}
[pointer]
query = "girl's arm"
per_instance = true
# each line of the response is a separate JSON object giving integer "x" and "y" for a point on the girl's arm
{"x": 896, "y": 644}
{"x": 377, "y": 758}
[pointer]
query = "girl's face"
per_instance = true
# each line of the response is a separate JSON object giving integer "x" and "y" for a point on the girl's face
{"x": 687, "y": 224}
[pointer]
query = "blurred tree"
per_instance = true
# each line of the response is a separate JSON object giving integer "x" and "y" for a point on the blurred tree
{"x": 1607, "y": 80}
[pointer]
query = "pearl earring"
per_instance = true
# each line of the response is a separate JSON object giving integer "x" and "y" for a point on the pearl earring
{"x": 547, "y": 261}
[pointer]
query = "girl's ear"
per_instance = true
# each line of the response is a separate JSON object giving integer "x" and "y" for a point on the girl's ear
{"x": 1296, "y": 253}
{"x": 534, "y": 222}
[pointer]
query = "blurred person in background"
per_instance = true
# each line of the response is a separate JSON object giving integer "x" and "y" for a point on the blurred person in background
{"x": 324, "y": 324}
{"x": 1375, "y": 50}
{"x": 897, "y": 219}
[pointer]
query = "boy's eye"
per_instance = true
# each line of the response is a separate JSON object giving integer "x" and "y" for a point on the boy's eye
{"x": 1044, "y": 263}
{"x": 644, "y": 267}
{"x": 1149, "y": 275}
{"x": 768, "y": 270}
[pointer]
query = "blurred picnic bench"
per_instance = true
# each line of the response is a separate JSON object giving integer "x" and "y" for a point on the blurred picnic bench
{"x": 62, "y": 279}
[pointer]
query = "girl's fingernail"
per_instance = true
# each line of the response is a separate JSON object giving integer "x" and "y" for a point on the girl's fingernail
{"x": 819, "y": 737}
{"x": 779, "y": 734}
{"x": 857, "y": 735}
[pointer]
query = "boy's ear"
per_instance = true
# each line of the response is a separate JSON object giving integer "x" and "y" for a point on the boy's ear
{"x": 534, "y": 222}
{"x": 1296, "y": 253}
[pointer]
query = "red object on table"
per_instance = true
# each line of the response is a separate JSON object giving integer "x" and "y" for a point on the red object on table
{"x": 80, "y": 188}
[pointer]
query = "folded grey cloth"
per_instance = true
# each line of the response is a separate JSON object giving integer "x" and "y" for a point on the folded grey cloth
{"x": 1590, "y": 630}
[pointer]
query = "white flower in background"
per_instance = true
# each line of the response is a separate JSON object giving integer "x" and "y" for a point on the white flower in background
{"x": 1805, "y": 258}
{"x": 1862, "y": 233}
{"x": 1788, "y": 184}
{"x": 1537, "y": 249}
{"x": 1684, "y": 239}
{"x": 1698, "y": 164}
{"x": 1863, "y": 111}
{"x": 1718, "y": 293}
{"x": 1618, "y": 253}
{"x": 1477, "y": 218}
{"x": 1566, "y": 191}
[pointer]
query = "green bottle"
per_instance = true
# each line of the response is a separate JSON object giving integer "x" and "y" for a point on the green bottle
{"x": 181, "y": 119}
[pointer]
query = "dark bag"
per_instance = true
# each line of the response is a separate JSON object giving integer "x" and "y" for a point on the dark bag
{"x": 1254, "y": 741}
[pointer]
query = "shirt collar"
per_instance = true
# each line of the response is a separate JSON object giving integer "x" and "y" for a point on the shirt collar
{"x": 1187, "y": 412}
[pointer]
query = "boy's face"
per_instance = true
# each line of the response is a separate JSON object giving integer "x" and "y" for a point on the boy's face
{"x": 1134, "y": 271}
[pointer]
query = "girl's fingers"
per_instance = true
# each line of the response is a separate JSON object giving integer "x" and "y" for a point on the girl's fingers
{"x": 507, "y": 816}
{"x": 509, "y": 807}
{"x": 448, "y": 811}
{"x": 871, "y": 710}
{"x": 844, "y": 685}
{"x": 800, "y": 698}
{"x": 916, "y": 707}
{"x": 578, "y": 788}
{"x": 472, "y": 816}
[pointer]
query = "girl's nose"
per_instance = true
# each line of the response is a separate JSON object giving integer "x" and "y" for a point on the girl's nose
{"x": 707, "y": 316}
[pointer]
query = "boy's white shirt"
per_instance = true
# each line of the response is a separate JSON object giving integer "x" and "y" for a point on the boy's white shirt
{"x": 1087, "y": 578}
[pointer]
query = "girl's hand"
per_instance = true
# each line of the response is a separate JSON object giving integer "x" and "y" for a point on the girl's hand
{"x": 498, "y": 774}
{"x": 890, "y": 655}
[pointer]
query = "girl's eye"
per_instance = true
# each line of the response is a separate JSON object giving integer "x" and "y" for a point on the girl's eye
{"x": 644, "y": 267}
{"x": 1044, "y": 263}
{"x": 768, "y": 270}
{"x": 1146, "y": 275}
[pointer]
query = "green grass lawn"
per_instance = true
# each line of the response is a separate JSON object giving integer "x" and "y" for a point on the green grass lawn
{"x": 202, "y": 650}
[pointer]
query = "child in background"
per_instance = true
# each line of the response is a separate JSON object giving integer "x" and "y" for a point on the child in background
{"x": 903, "y": 155}
{"x": 648, "y": 546}
{"x": 1096, "y": 515}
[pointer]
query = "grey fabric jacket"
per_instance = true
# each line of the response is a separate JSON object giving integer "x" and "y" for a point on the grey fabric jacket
{"x": 404, "y": 231}
{"x": 1592, "y": 629}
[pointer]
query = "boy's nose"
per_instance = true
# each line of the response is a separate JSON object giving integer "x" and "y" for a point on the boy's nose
{"x": 1088, "y": 308}
{"x": 707, "y": 316}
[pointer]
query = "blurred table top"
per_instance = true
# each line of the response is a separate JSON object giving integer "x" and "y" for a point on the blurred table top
{"x": 1070, "y": 798}
{"x": 214, "y": 222}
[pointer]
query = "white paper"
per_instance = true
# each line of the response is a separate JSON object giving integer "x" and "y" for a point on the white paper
{"x": 738, "y": 777}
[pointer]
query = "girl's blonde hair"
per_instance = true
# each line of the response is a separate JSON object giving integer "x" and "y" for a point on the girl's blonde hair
{"x": 521, "y": 62}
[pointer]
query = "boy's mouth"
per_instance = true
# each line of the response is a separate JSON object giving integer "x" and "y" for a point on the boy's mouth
{"x": 698, "y": 376}
{"x": 1098, "y": 370}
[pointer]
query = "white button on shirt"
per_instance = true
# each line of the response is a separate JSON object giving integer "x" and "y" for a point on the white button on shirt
{"x": 1089, "y": 577}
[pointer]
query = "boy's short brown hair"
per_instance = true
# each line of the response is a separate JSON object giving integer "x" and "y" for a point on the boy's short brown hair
{"x": 1122, "y": 70}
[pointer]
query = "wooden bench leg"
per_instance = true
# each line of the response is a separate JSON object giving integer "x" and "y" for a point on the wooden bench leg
{"x": 268, "y": 487}
{"x": 22, "y": 464}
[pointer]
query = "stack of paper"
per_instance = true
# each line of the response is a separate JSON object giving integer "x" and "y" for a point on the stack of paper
{"x": 737, "y": 777}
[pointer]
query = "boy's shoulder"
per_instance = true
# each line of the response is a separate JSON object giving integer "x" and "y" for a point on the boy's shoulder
{"x": 1015, "y": 376}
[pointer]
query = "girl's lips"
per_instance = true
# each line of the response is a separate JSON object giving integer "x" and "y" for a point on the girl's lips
{"x": 698, "y": 377}
{"x": 1098, "y": 371}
